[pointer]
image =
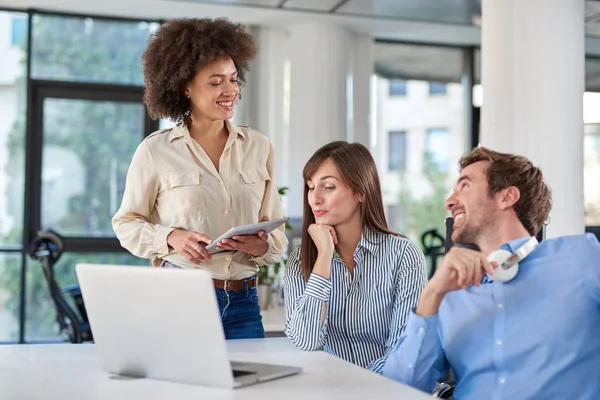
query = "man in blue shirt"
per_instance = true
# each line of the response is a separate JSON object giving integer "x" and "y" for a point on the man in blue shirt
{"x": 534, "y": 337}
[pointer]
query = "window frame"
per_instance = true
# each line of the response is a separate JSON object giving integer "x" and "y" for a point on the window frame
{"x": 36, "y": 91}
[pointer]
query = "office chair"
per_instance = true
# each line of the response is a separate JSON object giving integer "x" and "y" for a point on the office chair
{"x": 433, "y": 246}
{"x": 445, "y": 388}
{"x": 47, "y": 247}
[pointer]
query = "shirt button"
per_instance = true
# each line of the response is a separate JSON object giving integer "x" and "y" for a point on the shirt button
{"x": 227, "y": 258}
{"x": 409, "y": 366}
{"x": 500, "y": 305}
{"x": 226, "y": 211}
{"x": 221, "y": 182}
{"x": 499, "y": 342}
{"x": 502, "y": 380}
{"x": 421, "y": 330}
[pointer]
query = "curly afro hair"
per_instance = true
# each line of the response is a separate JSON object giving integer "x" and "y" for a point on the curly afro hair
{"x": 178, "y": 49}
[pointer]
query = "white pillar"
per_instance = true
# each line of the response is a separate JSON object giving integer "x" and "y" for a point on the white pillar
{"x": 363, "y": 69}
{"x": 533, "y": 84}
{"x": 265, "y": 102}
{"x": 324, "y": 81}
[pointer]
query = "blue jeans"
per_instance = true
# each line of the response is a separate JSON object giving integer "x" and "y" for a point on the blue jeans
{"x": 240, "y": 312}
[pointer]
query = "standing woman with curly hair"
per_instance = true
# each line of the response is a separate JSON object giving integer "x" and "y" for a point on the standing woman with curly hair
{"x": 190, "y": 183}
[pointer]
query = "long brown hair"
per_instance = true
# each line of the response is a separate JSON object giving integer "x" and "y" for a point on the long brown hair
{"x": 359, "y": 173}
{"x": 535, "y": 203}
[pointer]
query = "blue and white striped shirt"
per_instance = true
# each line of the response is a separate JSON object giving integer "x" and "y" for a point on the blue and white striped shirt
{"x": 366, "y": 312}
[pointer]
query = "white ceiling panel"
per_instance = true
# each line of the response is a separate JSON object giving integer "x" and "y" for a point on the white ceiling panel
{"x": 447, "y": 11}
{"x": 261, "y": 3}
{"x": 313, "y": 5}
{"x": 428, "y": 63}
{"x": 592, "y": 8}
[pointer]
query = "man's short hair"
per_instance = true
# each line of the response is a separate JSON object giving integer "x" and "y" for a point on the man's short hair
{"x": 505, "y": 170}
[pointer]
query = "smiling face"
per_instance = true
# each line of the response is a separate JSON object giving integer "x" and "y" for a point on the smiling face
{"x": 473, "y": 209}
{"x": 214, "y": 90}
{"x": 331, "y": 200}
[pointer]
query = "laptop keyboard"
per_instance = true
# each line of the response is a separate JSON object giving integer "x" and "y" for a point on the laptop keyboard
{"x": 237, "y": 373}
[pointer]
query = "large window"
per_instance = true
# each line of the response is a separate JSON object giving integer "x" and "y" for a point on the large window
{"x": 88, "y": 49}
{"x": 73, "y": 140}
{"x": 591, "y": 158}
{"x": 13, "y": 66}
{"x": 591, "y": 144}
{"x": 40, "y": 323}
{"x": 420, "y": 136}
{"x": 397, "y": 151}
{"x": 85, "y": 159}
{"x": 437, "y": 148}
{"x": 10, "y": 271}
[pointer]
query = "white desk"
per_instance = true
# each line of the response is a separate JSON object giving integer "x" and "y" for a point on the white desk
{"x": 65, "y": 372}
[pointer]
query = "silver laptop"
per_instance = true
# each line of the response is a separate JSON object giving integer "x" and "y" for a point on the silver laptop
{"x": 163, "y": 323}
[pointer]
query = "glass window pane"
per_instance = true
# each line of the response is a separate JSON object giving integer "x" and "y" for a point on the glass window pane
{"x": 431, "y": 155}
{"x": 86, "y": 156}
{"x": 397, "y": 87}
{"x": 591, "y": 173}
{"x": 88, "y": 49}
{"x": 437, "y": 88}
{"x": 10, "y": 293}
{"x": 437, "y": 148}
{"x": 592, "y": 75}
{"x": 13, "y": 100}
{"x": 397, "y": 151}
{"x": 40, "y": 322}
{"x": 19, "y": 29}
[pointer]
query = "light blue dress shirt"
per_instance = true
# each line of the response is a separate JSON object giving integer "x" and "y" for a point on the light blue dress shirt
{"x": 535, "y": 337}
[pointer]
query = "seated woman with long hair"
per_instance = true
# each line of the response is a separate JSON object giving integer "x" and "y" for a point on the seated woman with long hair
{"x": 350, "y": 286}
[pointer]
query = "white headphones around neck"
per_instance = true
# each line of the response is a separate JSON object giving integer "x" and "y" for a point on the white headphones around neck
{"x": 508, "y": 263}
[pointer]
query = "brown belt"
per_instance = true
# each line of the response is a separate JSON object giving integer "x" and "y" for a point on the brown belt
{"x": 232, "y": 286}
{"x": 235, "y": 286}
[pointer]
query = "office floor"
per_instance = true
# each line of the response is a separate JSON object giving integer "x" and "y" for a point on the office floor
{"x": 273, "y": 320}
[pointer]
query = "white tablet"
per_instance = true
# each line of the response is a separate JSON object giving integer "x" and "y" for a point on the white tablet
{"x": 251, "y": 229}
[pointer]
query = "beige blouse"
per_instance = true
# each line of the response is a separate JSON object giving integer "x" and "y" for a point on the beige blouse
{"x": 172, "y": 183}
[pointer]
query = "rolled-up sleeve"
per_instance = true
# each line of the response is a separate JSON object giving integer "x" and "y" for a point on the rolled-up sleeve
{"x": 271, "y": 210}
{"x": 305, "y": 306}
{"x": 131, "y": 223}
{"x": 418, "y": 359}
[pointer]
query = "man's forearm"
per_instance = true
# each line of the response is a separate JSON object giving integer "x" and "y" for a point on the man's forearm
{"x": 430, "y": 301}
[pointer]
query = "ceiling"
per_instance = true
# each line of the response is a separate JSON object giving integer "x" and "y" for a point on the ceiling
{"x": 444, "y": 22}
{"x": 447, "y": 11}
{"x": 454, "y": 22}
{"x": 459, "y": 12}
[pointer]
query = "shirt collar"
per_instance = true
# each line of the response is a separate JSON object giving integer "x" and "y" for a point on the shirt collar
{"x": 233, "y": 128}
{"x": 181, "y": 130}
{"x": 370, "y": 240}
{"x": 514, "y": 245}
